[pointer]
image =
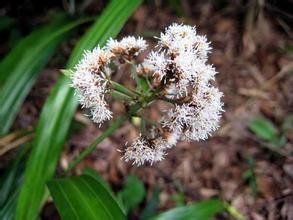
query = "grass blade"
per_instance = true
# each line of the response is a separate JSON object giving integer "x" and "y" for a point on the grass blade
{"x": 20, "y": 68}
{"x": 58, "y": 111}
{"x": 10, "y": 185}
{"x": 83, "y": 197}
{"x": 6, "y": 22}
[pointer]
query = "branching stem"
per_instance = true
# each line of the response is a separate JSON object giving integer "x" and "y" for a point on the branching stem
{"x": 114, "y": 126}
{"x": 122, "y": 89}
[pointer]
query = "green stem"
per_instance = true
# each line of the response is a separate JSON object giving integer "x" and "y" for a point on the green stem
{"x": 115, "y": 125}
{"x": 120, "y": 96}
{"x": 122, "y": 89}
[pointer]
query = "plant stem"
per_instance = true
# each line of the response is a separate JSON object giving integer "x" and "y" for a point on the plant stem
{"x": 120, "y": 96}
{"x": 122, "y": 89}
{"x": 114, "y": 126}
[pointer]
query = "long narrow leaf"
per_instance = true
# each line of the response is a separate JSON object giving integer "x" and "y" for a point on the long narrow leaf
{"x": 6, "y": 22}
{"x": 202, "y": 211}
{"x": 10, "y": 185}
{"x": 21, "y": 67}
{"x": 83, "y": 197}
{"x": 59, "y": 109}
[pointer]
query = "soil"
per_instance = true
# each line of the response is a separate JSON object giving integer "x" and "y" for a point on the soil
{"x": 252, "y": 51}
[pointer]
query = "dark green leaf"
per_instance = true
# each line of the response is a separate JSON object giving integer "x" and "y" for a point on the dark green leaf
{"x": 132, "y": 193}
{"x": 6, "y": 22}
{"x": 26, "y": 45}
{"x": 83, "y": 197}
{"x": 250, "y": 177}
{"x": 92, "y": 173}
{"x": 7, "y": 212}
{"x": 152, "y": 205}
{"x": 201, "y": 211}
{"x": 20, "y": 68}
{"x": 10, "y": 185}
{"x": 58, "y": 111}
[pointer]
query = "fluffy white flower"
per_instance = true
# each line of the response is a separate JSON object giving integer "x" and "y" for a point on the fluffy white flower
{"x": 178, "y": 72}
{"x": 195, "y": 71}
{"x": 157, "y": 62}
{"x": 171, "y": 137}
{"x": 90, "y": 84}
{"x": 144, "y": 69}
{"x": 128, "y": 48}
{"x": 180, "y": 38}
{"x": 177, "y": 38}
{"x": 201, "y": 47}
{"x": 176, "y": 117}
{"x": 93, "y": 60}
{"x": 199, "y": 118}
{"x": 142, "y": 151}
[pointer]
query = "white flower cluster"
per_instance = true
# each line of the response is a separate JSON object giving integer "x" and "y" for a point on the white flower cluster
{"x": 178, "y": 73}
{"x": 90, "y": 74}
{"x": 179, "y": 69}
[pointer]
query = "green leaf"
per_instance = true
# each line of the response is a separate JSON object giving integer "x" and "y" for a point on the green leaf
{"x": 21, "y": 67}
{"x": 264, "y": 128}
{"x": 132, "y": 193}
{"x": 83, "y": 197}
{"x": 92, "y": 173}
{"x": 201, "y": 211}
{"x": 6, "y": 22}
{"x": 7, "y": 212}
{"x": 179, "y": 198}
{"x": 24, "y": 47}
{"x": 250, "y": 177}
{"x": 58, "y": 111}
{"x": 152, "y": 205}
{"x": 10, "y": 185}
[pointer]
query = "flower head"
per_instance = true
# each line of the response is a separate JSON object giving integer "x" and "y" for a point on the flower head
{"x": 91, "y": 85}
{"x": 93, "y": 61}
{"x": 199, "y": 118}
{"x": 177, "y": 72}
{"x": 143, "y": 150}
{"x": 180, "y": 70}
{"x": 127, "y": 49}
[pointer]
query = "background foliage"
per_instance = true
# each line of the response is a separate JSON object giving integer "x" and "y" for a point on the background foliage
{"x": 247, "y": 165}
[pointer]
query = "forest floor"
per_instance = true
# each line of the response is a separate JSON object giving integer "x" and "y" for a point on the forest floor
{"x": 252, "y": 51}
